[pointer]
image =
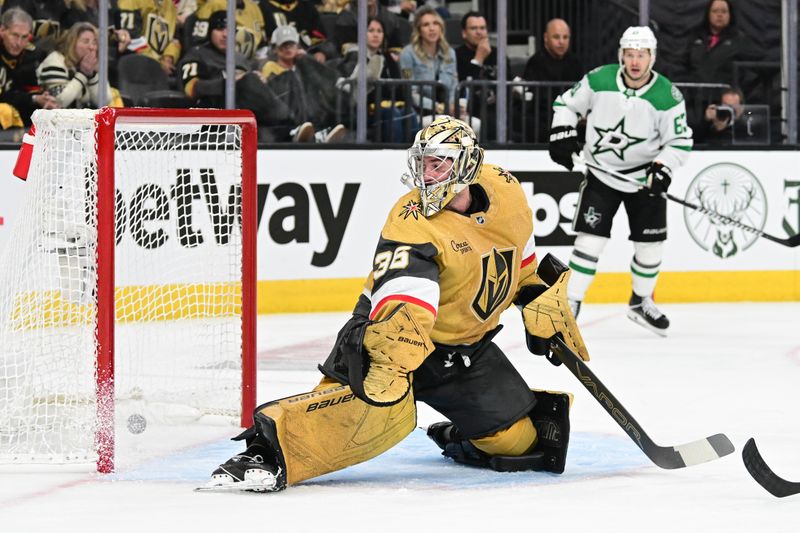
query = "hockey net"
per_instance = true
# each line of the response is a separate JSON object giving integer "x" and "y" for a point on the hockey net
{"x": 128, "y": 281}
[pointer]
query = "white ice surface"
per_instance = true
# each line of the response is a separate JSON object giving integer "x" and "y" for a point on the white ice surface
{"x": 729, "y": 368}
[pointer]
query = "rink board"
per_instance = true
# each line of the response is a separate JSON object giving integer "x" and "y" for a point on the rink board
{"x": 320, "y": 213}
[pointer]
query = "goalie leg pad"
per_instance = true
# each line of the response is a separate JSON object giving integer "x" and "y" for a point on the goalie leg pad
{"x": 329, "y": 429}
{"x": 550, "y": 418}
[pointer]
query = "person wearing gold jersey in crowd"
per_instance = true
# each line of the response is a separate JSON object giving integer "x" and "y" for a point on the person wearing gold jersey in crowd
{"x": 152, "y": 25}
{"x": 249, "y": 25}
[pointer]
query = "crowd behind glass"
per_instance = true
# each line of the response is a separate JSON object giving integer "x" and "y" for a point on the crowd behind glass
{"x": 296, "y": 65}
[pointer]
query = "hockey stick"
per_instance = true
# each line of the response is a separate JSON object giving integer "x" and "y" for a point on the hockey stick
{"x": 765, "y": 477}
{"x": 791, "y": 242}
{"x": 668, "y": 457}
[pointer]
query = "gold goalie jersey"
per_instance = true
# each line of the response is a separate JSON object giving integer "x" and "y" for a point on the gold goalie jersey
{"x": 458, "y": 272}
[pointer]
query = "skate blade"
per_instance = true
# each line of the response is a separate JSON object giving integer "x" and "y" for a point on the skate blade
{"x": 248, "y": 485}
{"x": 639, "y": 320}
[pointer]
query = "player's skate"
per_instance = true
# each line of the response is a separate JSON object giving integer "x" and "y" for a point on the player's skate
{"x": 453, "y": 445}
{"x": 246, "y": 472}
{"x": 644, "y": 312}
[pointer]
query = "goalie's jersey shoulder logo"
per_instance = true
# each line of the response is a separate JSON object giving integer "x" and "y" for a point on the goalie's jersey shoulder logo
{"x": 411, "y": 209}
{"x": 497, "y": 278}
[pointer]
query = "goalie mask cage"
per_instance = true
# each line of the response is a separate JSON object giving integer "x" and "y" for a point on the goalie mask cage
{"x": 128, "y": 283}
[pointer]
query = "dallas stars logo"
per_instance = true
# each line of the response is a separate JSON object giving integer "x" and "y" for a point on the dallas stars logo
{"x": 411, "y": 209}
{"x": 614, "y": 140}
{"x": 592, "y": 217}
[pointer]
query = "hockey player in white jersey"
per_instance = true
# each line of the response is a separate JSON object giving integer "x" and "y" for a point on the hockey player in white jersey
{"x": 636, "y": 125}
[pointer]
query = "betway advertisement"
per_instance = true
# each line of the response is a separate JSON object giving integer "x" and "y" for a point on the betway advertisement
{"x": 320, "y": 211}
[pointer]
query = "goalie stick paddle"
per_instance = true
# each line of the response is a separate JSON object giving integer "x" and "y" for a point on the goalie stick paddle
{"x": 668, "y": 457}
{"x": 764, "y": 475}
{"x": 791, "y": 242}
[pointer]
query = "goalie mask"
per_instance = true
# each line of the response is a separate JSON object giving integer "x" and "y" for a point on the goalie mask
{"x": 638, "y": 38}
{"x": 444, "y": 160}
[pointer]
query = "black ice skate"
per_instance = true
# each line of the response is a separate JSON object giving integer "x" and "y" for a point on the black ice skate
{"x": 246, "y": 472}
{"x": 453, "y": 445}
{"x": 644, "y": 312}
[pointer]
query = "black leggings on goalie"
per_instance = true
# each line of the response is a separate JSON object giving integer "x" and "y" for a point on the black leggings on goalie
{"x": 481, "y": 394}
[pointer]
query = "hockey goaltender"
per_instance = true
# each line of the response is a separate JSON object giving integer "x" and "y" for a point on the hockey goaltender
{"x": 455, "y": 252}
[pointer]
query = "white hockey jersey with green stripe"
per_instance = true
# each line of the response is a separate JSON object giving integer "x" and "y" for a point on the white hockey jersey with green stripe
{"x": 627, "y": 129}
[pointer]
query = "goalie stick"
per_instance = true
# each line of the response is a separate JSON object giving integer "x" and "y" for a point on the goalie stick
{"x": 791, "y": 242}
{"x": 764, "y": 475}
{"x": 668, "y": 457}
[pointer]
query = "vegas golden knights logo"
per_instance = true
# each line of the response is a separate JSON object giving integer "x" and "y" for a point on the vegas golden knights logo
{"x": 158, "y": 34}
{"x": 497, "y": 278}
{"x": 245, "y": 42}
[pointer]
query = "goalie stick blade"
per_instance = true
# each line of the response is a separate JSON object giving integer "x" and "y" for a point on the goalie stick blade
{"x": 667, "y": 457}
{"x": 764, "y": 475}
{"x": 697, "y": 452}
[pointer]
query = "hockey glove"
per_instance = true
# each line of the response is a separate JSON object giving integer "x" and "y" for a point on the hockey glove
{"x": 396, "y": 346}
{"x": 536, "y": 345}
{"x": 563, "y": 143}
{"x": 549, "y": 315}
{"x": 658, "y": 178}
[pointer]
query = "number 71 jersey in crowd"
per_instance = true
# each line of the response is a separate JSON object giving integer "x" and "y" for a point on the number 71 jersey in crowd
{"x": 458, "y": 272}
{"x": 627, "y": 129}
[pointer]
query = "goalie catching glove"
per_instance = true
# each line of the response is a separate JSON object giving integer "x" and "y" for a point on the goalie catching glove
{"x": 395, "y": 347}
{"x": 546, "y": 312}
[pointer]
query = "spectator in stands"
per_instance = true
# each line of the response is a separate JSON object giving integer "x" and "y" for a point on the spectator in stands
{"x": 249, "y": 26}
{"x": 19, "y": 61}
{"x": 306, "y": 20}
{"x": 306, "y": 87}
{"x": 87, "y": 11}
{"x": 152, "y": 25}
{"x": 476, "y": 59}
{"x": 716, "y": 45}
{"x": 720, "y": 118}
{"x": 429, "y": 57}
{"x": 69, "y": 73}
{"x": 554, "y": 61}
{"x": 46, "y": 20}
{"x": 202, "y": 74}
{"x": 393, "y": 110}
{"x": 346, "y": 29}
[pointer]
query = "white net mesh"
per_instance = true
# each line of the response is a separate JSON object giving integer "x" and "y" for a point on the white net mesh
{"x": 178, "y": 291}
